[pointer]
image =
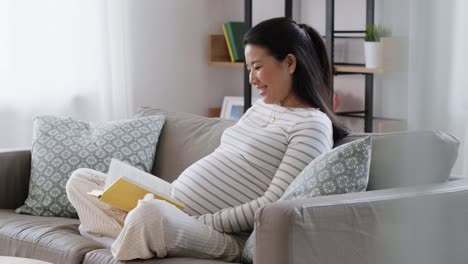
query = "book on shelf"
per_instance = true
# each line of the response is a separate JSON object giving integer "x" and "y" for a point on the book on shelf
{"x": 228, "y": 43}
{"x": 125, "y": 185}
{"x": 234, "y": 34}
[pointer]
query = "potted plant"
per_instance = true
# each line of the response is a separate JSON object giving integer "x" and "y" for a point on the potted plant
{"x": 372, "y": 45}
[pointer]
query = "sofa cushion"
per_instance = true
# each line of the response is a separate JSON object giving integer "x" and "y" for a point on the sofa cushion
{"x": 344, "y": 169}
{"x": 409, "y": 158}
{"x": 62, "y": 145}
{"x": 184, "y": 139}
{"x": 105, "y": 256}
{"x": 50, "y": 239}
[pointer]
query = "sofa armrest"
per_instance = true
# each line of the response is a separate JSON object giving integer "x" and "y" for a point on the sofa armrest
{"x": 15, "y": 169}
{"x": 424, "y": 224}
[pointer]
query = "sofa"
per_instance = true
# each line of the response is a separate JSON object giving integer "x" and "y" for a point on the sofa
{"x": 411, "y": 213}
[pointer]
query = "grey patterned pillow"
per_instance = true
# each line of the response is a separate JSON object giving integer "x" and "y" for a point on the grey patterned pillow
{"x": 344, "y": 169}
{"x": 62, "y": 145}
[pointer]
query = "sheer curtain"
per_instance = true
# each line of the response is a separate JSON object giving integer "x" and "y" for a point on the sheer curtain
{"x": 66, "y": 58}
{"x": 459, "y": 92}
{"x": 432, "y": 92}
{"x": 437, "y": 77}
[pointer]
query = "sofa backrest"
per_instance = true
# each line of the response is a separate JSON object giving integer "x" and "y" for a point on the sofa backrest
{"x": 409, "y": 158}
{"x": 398, "y": 159}
{"x": 184, "y": 139}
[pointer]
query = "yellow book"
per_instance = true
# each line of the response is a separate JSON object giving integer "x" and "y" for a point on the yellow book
{"x": 228, "y": 43}
{"x": 125, "y": 185}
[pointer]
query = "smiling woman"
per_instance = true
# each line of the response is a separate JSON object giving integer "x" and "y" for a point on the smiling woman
{"x": 288, "y": 64}
{"x": 55, "y": 62}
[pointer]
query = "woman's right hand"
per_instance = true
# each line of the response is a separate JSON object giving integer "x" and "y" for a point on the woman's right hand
{"x": 148, "y": 197}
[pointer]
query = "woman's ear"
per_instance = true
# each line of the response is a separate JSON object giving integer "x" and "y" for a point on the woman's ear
{"x": 291, "y": 62}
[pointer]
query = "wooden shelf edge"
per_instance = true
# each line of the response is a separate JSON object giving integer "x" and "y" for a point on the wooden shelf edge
{"x": 339, "y": 69}
{"x": 226, "y": 64}
{"x": 357, "y": 69}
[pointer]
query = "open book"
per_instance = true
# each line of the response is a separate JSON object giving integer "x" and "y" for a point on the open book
{"x": 125, "y": 185}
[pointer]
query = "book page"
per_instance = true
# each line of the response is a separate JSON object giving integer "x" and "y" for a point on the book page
{"x": 96, "y": 193}
{"x": 125, "y": 194}
{"x": 152, "y": 183}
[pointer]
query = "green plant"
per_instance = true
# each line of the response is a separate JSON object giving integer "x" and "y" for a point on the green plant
{"x": 375, "y": 32}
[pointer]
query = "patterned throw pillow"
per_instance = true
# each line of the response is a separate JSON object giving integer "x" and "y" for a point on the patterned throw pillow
{"x": 344, "y": 169}
{"x": 62, "y": 145}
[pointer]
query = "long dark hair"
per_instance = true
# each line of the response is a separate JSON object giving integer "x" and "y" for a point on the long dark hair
{"x": 312, "y": 76}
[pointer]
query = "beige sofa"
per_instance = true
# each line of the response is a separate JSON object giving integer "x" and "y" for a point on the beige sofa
{"x": 422, "y": 223}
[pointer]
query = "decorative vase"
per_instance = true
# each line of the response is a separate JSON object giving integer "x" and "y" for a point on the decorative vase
{"x": 373, "y": 54}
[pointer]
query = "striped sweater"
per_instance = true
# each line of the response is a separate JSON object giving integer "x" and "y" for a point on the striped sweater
{"x": 256, "y": 161}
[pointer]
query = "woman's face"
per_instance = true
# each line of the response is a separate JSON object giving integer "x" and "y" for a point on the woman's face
{"x": 272, "y": 79}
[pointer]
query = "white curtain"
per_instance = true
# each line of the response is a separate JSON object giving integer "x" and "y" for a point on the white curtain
{"x": 436, "y": 92}
{"x": 459, "y": 93}
{"x": 438, "y": 84}
{"x": 66, "y": 58}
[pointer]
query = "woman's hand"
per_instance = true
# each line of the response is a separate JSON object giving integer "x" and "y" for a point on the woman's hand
{"x": 148, "y": 197}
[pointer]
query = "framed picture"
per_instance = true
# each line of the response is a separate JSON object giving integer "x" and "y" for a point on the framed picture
{"x": 233, "y": 107}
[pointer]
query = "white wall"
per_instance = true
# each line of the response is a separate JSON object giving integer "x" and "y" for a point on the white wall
{"x": 266, "y": 9}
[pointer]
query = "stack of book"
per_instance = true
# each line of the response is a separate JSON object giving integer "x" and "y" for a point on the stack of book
{"x": 234, "y": 33}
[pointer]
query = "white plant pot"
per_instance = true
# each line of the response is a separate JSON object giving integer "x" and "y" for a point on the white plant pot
{"x": 373, "y": 54}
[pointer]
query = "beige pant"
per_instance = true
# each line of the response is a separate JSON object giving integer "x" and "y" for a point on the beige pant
{"x": 153, "y": 229}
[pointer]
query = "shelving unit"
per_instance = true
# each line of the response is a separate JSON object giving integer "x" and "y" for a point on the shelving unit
{"x": 368, "y": 112}
{"x": 248, "y": 25}
{"x": 218, "y": 56}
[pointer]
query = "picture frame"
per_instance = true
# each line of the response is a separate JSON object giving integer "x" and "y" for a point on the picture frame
{"x": 233, "y": 107}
